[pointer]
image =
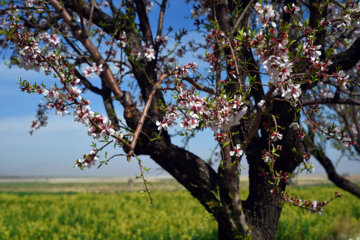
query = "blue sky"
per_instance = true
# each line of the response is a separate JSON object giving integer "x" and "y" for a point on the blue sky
{"x": 52, "y": 151}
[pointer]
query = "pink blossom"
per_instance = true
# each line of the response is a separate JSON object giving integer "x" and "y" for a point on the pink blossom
{"x": 149, "y": 54}
{"x": 29, "y": 3}
{"x": 238, "y": 152}
{"x": 261, "y": 104}
{"x": 148, "y": 5}
{"x": 275, "y": 135}
{"x": 54, "y": 39}
{"x": 162, "y": 40}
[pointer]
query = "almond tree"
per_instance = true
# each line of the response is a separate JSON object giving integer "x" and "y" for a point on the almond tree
{"x": 276, "y": 71}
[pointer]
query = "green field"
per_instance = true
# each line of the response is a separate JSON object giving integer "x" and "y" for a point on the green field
{"x": 53, "y": 211}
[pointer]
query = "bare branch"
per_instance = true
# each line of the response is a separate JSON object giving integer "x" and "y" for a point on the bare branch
{"x": 330, "y": 169}
{"x": 94, "y": 52}
{"x": 161, "y": 18}
{"x": 91, "y": 16}
{"x": 81, "y": 15}
{"x": 87, "y": 83}
{"x": 144, "y": 114}
{"x": 238, "y": 21}
{"x": 331, "y": 101}
{"x": 144, "y": 21}
{"x": 200, "y": 87}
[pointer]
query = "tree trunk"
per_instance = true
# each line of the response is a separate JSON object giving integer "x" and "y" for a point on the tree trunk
{"x": 263, "y": 212}
{"x": 262, "y": 207}
{"x": 225, "y": 230}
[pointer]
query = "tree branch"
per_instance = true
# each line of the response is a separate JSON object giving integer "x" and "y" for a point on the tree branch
{"x": 87, "y": 83}
{"x": 161, "y": 18}
{"x": 144, "y": 114}
{"x": 200, "y": 87}
{"x": 100, "y": 18}
{"x": 347, "y": 59}
{"x": 330, "y": 169}
{"x": 94, "y": 52}
{"x": 144, "y": 21}
{"x": 331, "y": 101}
{"x": 238, "y": 21}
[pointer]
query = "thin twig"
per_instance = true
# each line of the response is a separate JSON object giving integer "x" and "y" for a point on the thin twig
{"x": 199, "y": 86}
{"x": 236, "y": 63}
{"x": 90, "y": 17}
{"x": 143, "y": 178}
{"x": 352, "y": 102}
{"x": 254, "y": 129}
{"x": 240, "y": 18}
{"x": 144, "y": 114}
{"x": 81, "y": 16}
{"x": 94, "y": 52}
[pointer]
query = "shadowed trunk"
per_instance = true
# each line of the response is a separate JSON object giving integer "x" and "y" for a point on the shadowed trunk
{"x": 262, "y": 208}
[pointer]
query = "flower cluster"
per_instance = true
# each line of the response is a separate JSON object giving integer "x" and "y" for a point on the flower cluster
{"x": 342, "y": 79}
{"x": 293, "y": 9}
{"x": 36, "y": 53}
{"x": 215, "y": 35}
{"x": 312, "y": 52}
{"x": 307, "y": 164}
{"x": 266, "y": 156}
{"x": 220, "y": 137}
{"x": 148, "y": 5}
{"x": 266, "y": 14}
{"x": 87, "y": 160}
{"x": 274, "y": 53}
{"x": 161, "y": 40}
{"x": 100, "y": 127}
{"x": 122, "y": 41}
{"x": 331, "y": 132}
{"x": 97, "y": 69}
{"x": 183, "y": 71}
{"x": 52, "y": 39}
{"x": 30, "y": 57}
{"x": 29, "y": 3}
{"x": 200, "y": 9}
{"x": 312, "y": 206}
{"x": 275, "y": 135}
{"x": 218, "y": 113}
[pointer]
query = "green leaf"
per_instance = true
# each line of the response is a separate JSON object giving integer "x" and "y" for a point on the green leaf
{"x": 225, "y": 144}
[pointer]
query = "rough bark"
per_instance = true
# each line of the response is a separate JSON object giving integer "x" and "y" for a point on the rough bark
{"x": 262, "y": 209}
{"x": 347, "y": 59}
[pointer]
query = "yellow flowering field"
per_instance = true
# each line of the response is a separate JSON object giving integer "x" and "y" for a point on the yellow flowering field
{"x": 174, "y": 215}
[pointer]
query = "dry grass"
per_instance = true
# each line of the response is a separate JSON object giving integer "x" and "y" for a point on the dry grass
{"x": 120, "y": 184}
